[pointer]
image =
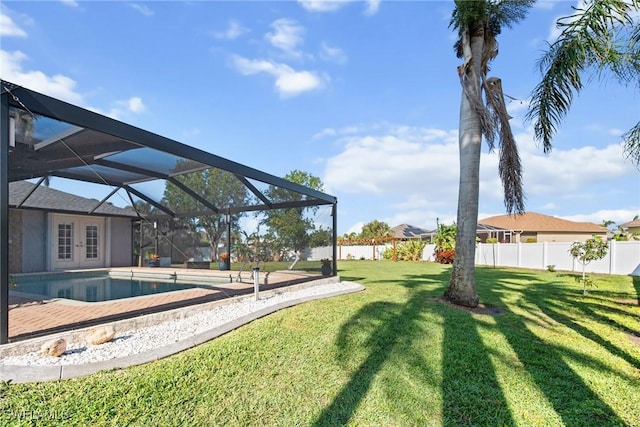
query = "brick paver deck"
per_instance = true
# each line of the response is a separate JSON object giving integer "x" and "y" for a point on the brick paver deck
{"x": 30, "y": 318}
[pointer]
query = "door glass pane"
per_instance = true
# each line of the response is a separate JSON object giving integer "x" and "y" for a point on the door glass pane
{"x": 91, "y": 239}
{"x": 65, "y": 241}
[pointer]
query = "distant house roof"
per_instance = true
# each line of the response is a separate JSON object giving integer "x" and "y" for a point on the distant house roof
{"x": 631, "y": 224}
{"x": 532, "y": 221}
{"x": 45, "y": 198}
{"x": 406, "y": 231}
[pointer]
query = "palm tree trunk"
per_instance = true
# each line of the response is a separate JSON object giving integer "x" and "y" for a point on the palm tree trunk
{"x": 462, "y": 285}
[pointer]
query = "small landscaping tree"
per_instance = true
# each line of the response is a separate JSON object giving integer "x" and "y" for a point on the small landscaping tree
{"x": 585, "y": 252}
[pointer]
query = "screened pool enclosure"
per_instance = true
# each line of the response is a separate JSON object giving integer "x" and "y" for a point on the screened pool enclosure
{"x": 158, "y": 184}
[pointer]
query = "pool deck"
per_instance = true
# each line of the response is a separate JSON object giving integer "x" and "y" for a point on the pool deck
{"x": 36, "y": 317}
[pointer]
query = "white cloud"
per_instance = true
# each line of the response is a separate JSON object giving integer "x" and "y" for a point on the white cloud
{"x": 8, "y": 28}
{"x": 414, "y": 172}
{"x": 288, "y": 82}
{"x": 333, "y": 54}
{"x": 57, "y": 86}
{"x": 143, "y": 9}
{"x": 542, "y": 174}
{"x": 123, "y": 108}
{"x": 321, "y": 6}
{"x": 372, "y": 7}
{"x": 287, "y": 35}
{"x": 233, "y": 31}
{"x": 619, "y": 216}
{"x": 325, "y": 133}
{"x": 546, "y": 4}
{"x": 397, "y": 162}
{"x": 136, "y": 105}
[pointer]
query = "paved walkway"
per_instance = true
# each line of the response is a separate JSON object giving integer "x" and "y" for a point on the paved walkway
{"x": 30, "y": 318}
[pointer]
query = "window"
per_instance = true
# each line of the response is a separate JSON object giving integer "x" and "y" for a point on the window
{"x": 91, "y": 239}
{"x": 65, "y": 241}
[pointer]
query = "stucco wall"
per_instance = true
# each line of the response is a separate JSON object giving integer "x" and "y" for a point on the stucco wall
{"x": 567, "y": 237}
{"x": 121, "y": 242}
{"x": 34, "y": 241}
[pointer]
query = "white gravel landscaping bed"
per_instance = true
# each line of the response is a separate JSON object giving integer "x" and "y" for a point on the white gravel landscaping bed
{"x": 135, "y": 341}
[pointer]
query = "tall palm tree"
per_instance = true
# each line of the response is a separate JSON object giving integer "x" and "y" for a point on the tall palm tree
{"x": 482, "y": 112}
{"x": 601, "y": 37}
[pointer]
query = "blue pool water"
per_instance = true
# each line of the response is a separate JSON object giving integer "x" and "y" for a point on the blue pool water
{"x": 100, "y": 288}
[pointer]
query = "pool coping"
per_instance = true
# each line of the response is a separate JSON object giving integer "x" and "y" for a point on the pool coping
{"x": 165, "y": 275}
{"x": 32, "y": 373}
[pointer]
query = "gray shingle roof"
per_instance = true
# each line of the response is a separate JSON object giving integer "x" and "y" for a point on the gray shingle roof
{"x": 406, "y": 231}
{"x": 54, "y": 200}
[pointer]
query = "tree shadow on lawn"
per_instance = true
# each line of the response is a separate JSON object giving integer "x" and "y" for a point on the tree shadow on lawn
{"x": 384, "y": 332}
{"x": 470, "y": 392}
{"x": 572, "y": 399}
{"x": 557, "y": 313}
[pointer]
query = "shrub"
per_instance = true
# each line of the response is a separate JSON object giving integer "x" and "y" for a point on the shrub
{"x": 492, "y": 240}
{"x": 445, "y": 256}
{"x": 531, "y": 240}
{"x": 412, "y": 250}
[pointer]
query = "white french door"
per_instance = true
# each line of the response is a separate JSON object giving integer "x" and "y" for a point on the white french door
{"x": 77, "y": 242}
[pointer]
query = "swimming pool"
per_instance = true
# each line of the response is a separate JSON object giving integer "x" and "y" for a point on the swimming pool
{"x": 102, "y": 286}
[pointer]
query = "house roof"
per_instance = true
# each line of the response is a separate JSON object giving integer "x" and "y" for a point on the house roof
{"x": 631, "y": 224}
{"x": 532, "y": 221}
{"x": 406, "y": 231}
{"x": 24, "y": 194}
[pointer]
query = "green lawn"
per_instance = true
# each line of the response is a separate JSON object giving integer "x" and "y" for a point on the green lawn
{"x": 391, "y": 355}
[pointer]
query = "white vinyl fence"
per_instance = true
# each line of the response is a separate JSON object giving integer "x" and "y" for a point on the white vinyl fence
{"x": 622, "y": 257}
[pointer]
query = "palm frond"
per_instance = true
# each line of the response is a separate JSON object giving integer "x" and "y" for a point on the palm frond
{"x": 510, "y": 166}
{"x": 602, "y": 37}
{"x": 493, "y": 14}
{"x": 631, "y": 141}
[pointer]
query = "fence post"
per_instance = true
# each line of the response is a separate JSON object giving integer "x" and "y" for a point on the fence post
{"x": 612, "y": 256}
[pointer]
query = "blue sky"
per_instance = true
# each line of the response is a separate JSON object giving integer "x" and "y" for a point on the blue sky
{"x": 364, "y": 95}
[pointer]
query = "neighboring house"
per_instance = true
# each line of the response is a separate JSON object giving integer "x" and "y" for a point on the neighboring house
{"x": 535, "y": 227}
{"x": 406, "y": 231}
{"x": 631, "y": 228}
{"x": 53, "y": 230}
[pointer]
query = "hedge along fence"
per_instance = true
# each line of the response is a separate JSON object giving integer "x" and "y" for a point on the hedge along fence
{"x": 622, "y": 257}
